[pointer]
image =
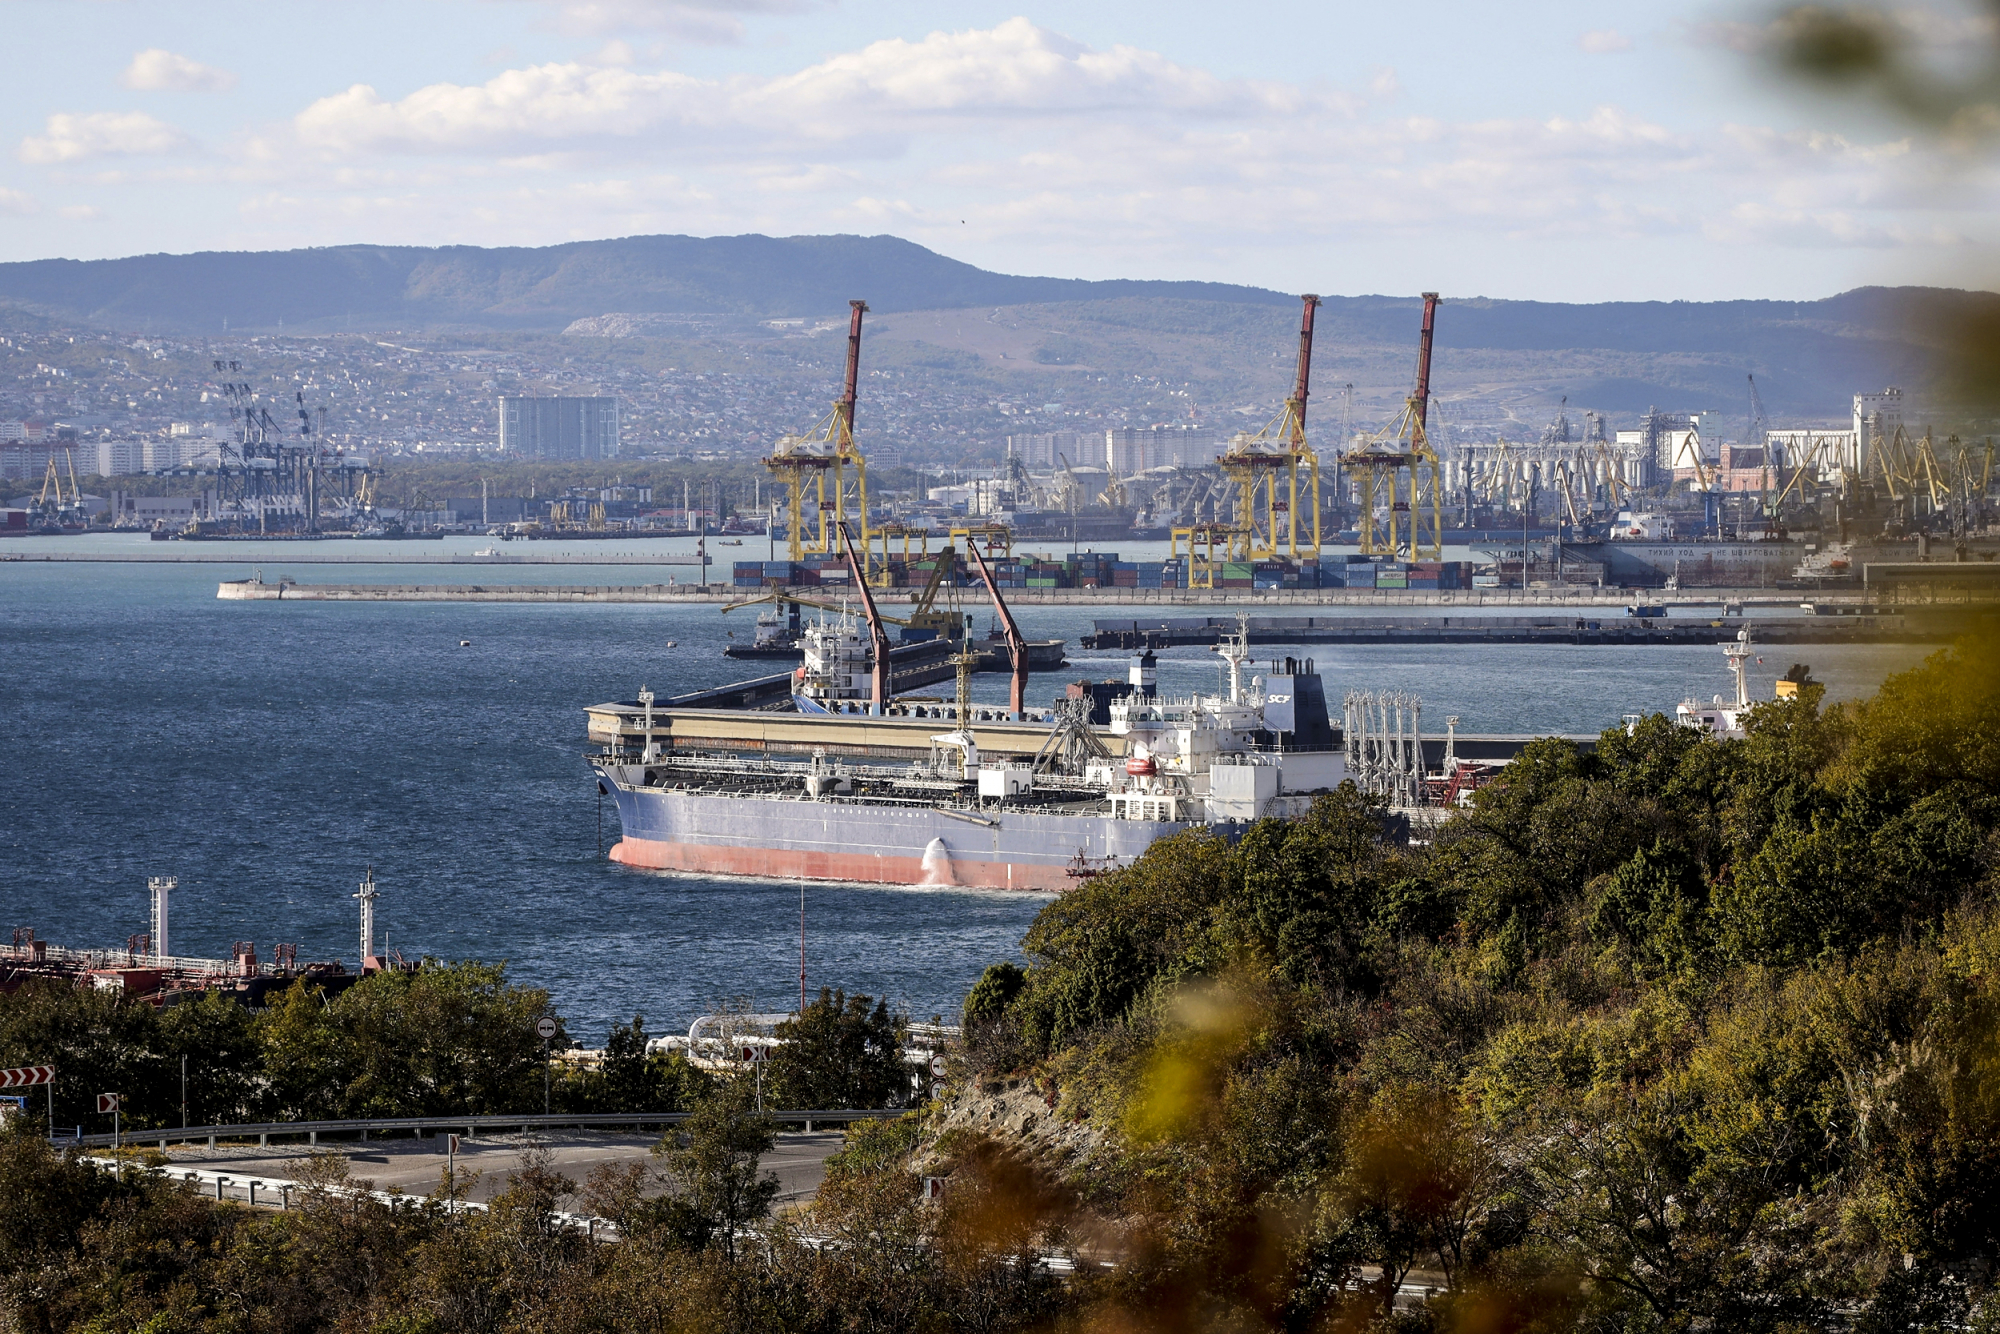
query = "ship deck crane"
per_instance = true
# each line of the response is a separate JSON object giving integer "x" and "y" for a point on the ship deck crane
{"x": 922, "y": 615}
{"x": 876, "y": 634}
{"x": 1379, "y": 463}
{"x": 806, "y": 464}
{"x": 1017, "y": 647}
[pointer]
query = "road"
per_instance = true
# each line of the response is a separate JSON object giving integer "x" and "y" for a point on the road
{"x": 417, "y": 1166}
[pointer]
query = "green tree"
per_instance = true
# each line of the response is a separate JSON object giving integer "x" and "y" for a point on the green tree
{"x": 216, "y": 1036}
{"x": 839, "y": 1052}
{"x": 99, "y": 1042}
{"x": 712, "y": 1164}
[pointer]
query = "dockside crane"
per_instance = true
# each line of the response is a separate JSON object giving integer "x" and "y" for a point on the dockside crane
{"x": 1017, "y": 690}
{"x": 1267, "y": 517}
{"x": 1403, "y": 448}
{"x": 814, "y": 466}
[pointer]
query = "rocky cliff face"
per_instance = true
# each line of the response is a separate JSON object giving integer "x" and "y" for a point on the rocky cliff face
{"x": 1022, "y": 1113}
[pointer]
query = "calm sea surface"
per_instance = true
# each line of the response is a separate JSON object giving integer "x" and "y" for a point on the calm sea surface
{"x": 266, "y": 753}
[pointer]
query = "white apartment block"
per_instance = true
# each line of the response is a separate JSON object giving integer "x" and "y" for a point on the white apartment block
{"x": 120, "y": 458}
{"x": 1129, "y": 451}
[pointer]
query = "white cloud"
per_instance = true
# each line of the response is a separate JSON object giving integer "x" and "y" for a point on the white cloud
{"x": 157, "y": 71}
{"x": 78, "y": 212}
{"x": 1012, "y": 72}
{"x": 70, "y": 138}
{"x": 710, "y": 22}
{"x": 1037, "y": 141}
{"x": 14, "y": 204}
{"x": 1604, "y": 41}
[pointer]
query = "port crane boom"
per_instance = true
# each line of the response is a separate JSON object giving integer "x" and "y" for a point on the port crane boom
{"x": 1017, "y": 691}
{"x": 878, "y": 636}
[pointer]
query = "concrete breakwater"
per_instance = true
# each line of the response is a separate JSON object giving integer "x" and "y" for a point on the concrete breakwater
{"x": 288, "y": 590}
{"x": 284, "y": 590}
{"x": 227, "y": 555}
{"x": 1571, "y": 627}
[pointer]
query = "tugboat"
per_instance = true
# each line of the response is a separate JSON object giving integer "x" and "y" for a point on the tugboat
{"x": 777, "y": 637}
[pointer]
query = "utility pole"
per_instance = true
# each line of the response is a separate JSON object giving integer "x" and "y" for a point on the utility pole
{"x": 545, "y": 1029}
{"x": 184, "y": 1093}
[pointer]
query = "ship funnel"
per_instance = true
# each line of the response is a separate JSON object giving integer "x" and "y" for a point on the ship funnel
{"x": 1144, "y": 676}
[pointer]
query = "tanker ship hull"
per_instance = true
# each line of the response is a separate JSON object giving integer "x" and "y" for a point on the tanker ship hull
{"x": 789, "y": 838}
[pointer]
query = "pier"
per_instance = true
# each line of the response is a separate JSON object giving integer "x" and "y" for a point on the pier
{"x": 1571, "y": 628}
{"x": 1582, "y": 596}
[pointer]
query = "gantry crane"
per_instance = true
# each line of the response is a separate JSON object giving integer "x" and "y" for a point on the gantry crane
{"x": 1264, "y": 469}
{"x": 1403, "y": 448}
{"x": 813, "y": 467}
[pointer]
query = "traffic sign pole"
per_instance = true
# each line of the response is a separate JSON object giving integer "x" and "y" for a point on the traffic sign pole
{"x": 545, "y": 1027}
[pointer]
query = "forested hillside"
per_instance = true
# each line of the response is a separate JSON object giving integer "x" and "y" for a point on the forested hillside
{"x": 1681, "y": 1034}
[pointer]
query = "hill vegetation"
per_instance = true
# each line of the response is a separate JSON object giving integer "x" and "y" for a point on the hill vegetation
{"x": 690, "y": 299}
{"x": 1679, "y": 1034}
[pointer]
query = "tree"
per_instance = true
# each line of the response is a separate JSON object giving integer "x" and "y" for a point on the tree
{"x": 839, "y": 1052}
{"x": 712, "y": 1165}
{"x": 99, "y": 1042}
{"x": 217, "y": 1038}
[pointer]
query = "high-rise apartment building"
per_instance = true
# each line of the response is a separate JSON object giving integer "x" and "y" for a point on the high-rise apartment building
{"x": 560, "y": 427}
{"x": 1129, "y": 451}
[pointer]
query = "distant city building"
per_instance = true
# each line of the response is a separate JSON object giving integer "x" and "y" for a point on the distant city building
{"x": 1052, "y": 448}
{"x": 559, "y": 428}
{"x": 1126, "y": 451}
{"x": 120, "y": 458}
{"x": 1132, "y": 450}
{"x": 1876, "y": 418}
{"x": 22, "y": 460}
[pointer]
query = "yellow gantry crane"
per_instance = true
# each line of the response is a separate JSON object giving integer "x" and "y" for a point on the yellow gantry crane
{"x": 814, "y": 468}
{"x": 1264, "y": 469}
{"x": 1397, "y": 471}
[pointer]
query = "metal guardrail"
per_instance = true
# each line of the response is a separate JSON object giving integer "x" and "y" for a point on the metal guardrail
{"x": 470, "y": 1126}
{"x": 279, "y": 1192}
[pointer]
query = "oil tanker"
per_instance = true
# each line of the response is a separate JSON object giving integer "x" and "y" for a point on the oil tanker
{"x": 961, "y": 815}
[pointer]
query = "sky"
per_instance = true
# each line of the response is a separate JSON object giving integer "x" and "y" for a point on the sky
{"x": 1619, "y": 150}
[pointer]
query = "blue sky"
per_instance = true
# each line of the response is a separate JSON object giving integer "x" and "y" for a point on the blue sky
{"x": 1533, "y": 150}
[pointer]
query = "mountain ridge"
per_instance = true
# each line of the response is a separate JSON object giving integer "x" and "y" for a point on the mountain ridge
{"x": 1621, "y": 355}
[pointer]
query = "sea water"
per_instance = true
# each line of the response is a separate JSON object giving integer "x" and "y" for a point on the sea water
{"x": 268, "y": 753}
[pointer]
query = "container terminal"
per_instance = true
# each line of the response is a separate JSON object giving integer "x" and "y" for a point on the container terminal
{"x": 1677, "y": 500}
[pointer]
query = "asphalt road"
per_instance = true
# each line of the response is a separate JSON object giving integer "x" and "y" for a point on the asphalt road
{"x": 484, "y": 1164}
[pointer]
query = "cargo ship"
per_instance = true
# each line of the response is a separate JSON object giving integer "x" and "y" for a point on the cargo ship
{"x": 963, "y": 815}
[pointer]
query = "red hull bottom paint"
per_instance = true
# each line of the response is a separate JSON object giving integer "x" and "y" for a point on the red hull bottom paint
{"x": 853, "y": 867}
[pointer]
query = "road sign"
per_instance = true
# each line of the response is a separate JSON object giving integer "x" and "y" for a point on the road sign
{"x": 27, "y": 1076}
{"x": 937, "y": 1065}
{"x": 545, "y": 1028}
{"x": 751, "y": 1053}
{"x": 107, "y": 1102}
{"x": 452, "y": 1146}
{"x": 12, "y": 1107}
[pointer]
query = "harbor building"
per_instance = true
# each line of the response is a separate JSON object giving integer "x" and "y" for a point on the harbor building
{"x": 560, "y": 427}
